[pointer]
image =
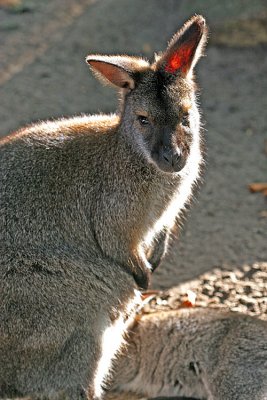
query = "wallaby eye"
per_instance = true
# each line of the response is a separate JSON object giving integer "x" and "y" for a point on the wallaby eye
{"x": 143, "y": 120}
{"x": 185, "y": 119}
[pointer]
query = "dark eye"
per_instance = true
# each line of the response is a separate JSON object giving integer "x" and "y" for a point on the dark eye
{"x": 185, "y": 120}
{"x": 143, "y": 120}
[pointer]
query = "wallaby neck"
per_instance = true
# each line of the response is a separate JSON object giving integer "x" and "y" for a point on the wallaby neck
{"x": 131, "y": 199}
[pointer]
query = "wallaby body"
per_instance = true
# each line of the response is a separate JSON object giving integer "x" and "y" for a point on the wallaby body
{"x": 210, "y": 354}
{"x": 82, "y": 204}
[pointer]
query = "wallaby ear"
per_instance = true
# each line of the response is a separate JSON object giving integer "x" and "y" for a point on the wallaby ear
{"x": 185, "y": 48}
{"x": 117, "y": 70}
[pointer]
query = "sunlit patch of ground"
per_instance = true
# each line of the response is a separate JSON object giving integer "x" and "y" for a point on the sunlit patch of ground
{"x": 241, "y": 289}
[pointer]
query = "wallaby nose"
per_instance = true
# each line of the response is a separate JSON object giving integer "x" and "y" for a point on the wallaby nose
{"x": 174, "y": 159}
{"x": 168, "y": 156}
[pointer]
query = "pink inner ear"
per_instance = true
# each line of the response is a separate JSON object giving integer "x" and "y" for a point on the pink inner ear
{"x": 180, "y": 60}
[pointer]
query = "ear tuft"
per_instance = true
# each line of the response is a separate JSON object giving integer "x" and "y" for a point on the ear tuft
{"x": 185, "y": 48}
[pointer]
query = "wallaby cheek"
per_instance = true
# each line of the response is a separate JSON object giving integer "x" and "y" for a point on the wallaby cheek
{"x": 146, "y": 138}
{"x": 183, "y": 140}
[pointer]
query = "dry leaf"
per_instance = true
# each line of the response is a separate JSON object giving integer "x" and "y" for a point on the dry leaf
{"x": 258, "y": 187}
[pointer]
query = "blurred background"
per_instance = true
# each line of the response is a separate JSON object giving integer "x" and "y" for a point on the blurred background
{"x": 43, "y": 45}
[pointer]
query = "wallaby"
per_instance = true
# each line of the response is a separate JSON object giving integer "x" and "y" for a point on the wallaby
{"x": 83, "y": 202}
{"x": 201, "y": 353}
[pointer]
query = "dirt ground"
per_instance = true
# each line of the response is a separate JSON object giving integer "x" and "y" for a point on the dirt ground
{"x": 222, "y": 251}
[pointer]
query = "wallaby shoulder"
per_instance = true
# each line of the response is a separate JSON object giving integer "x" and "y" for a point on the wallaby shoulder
{"x": 53, "y": 132}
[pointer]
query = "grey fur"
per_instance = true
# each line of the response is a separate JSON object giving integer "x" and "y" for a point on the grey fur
{"x": 82, "y": 203}
{"x": 207, "y": 353}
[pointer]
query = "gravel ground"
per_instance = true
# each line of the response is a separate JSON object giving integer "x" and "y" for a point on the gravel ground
{"x": 242, "y": 290}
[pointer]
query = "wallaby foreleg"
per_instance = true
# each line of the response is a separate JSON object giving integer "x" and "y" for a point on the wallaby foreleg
{"x": 158, "y": 250}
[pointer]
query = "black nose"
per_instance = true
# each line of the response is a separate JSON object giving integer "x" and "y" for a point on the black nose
{"x": 174, "y": 159}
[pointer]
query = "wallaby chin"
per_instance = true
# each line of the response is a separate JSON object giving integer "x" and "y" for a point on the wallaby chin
{"x": 85, "y": 219}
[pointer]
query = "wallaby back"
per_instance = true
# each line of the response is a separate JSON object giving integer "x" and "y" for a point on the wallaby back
{"x": 207, "y": 353}
{"x": 83, "y": 202}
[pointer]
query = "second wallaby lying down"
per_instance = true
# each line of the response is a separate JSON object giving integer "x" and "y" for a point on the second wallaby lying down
{"x": 86, "y": 208}
{"x": 200, "y": 353}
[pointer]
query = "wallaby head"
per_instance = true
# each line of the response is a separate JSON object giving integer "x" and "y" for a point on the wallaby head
{"x": 158, "y": 99}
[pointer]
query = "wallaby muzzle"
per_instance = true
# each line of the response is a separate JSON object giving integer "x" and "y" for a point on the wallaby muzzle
{"x": 171, "y": 160}
{"x": 168, "y": 156}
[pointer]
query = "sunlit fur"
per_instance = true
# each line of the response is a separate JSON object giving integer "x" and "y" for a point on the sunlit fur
{"x": 112, "y": 340}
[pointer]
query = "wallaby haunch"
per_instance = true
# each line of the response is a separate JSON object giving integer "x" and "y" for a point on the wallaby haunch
{"x": 204, "y": 353}
{"x": 86, "y": 208}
